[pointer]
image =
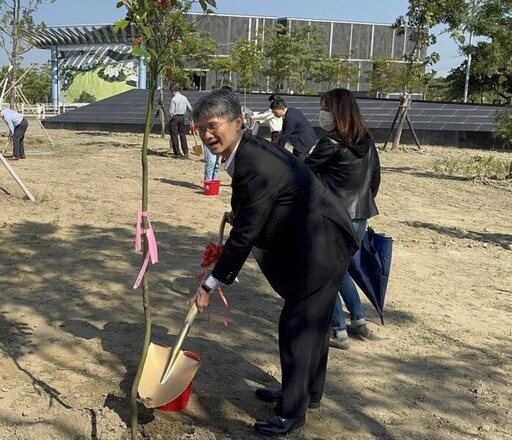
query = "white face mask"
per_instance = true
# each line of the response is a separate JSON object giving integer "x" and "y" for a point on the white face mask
{"x": 326, "y": 120}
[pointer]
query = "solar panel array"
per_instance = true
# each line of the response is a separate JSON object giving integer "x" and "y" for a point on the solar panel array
{"x": 434, "y": 123}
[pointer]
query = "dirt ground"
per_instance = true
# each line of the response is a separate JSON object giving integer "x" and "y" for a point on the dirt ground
{"x": 71, "y": 325}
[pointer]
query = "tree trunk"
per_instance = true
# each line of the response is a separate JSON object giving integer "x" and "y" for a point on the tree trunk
{"x": 404, "y": 106}
{"x": 145, "y": 285}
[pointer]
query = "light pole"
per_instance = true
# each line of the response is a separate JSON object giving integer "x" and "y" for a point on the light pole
{"x": 468, "y": 67}
{"x": 468, "y": 62}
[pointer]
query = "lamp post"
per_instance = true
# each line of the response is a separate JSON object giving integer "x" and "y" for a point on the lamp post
{"x": 468, "y": 67}
{"x": 468, "y": 62}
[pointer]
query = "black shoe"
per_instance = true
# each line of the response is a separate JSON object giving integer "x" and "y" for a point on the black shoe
{"x": 272, "y": 395}
{"x": 314, "y": 404}
{"x": 275, "y": 425}
{"x": 13, "y": 158}
{"x": 359, "y": 330}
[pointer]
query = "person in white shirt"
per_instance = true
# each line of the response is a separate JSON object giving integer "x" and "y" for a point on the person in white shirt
{"x": 17, "y": 127}
{"x": 179, "y": 106}
{"x": 275, "y": 124}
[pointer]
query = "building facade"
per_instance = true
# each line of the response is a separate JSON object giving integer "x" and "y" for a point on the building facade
{"x": 357, "y": 43}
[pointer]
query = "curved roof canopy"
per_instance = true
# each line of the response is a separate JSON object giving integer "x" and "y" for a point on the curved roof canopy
{"x": 86, "y": 46}
{"x": 82, "y": 35}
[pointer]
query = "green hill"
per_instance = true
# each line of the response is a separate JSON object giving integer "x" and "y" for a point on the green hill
{"x": 91, "y": 83}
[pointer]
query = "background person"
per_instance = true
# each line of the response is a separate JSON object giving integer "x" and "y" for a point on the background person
{"x": 17, "y": 128}
{"x": 302, "y": 239}
{"x": 275, "y": 123}
{"x": 212, "y": 164}
{"x": 347, "y": 163}
{"x": 296, "y": 129}
{"x": 179, "y": 106}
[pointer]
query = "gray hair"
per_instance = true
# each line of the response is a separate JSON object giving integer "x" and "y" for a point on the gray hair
{"x": 221, "y": 103}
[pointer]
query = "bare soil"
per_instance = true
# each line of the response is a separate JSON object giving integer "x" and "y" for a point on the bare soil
{"x": 71, "y": 325}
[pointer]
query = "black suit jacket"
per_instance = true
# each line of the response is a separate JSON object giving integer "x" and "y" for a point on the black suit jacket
{"x": 297, "y": 131}
{"x": 299, "y": 233}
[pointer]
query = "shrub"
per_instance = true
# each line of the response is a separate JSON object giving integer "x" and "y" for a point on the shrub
{"x": 475, "y": 166}
{"x": 503, "y": 125}
{"x": 86, "y": 97}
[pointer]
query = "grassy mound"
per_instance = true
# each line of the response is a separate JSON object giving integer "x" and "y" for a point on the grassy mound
{"x": 90, "y": 82}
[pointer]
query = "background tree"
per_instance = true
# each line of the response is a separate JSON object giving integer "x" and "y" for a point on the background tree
{"x": 437, "y": 89}
{"x": 221, "y": 66}
{"x": 36, "y": 84}
{"x": 490, "y": 75}
{"x": 293, "y": 57}
{"x": 191, "y": 52}
{"x": 416, "y": 25}
{"x": 335, "y": 71}
{"x": 492, "y": 21}
{"x": 480, "y": 89}
{"x": 387, "y": 77}
{"x": 160, "y": 29}
{"x": 17, "y": 28}
{"x": 307, "y": 42}
{"x": 246, "y": 63}
{"x": 280, "y": 58}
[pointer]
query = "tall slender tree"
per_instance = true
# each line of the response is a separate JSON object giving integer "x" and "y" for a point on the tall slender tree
{"x": 294, "y": 56}
{"x": 416, "y": 25}
{"x": 246, "y": 63}
{"x": 160, "y": 27}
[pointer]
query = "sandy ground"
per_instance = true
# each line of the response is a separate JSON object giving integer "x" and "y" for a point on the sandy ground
{"x": 71, "y": 324}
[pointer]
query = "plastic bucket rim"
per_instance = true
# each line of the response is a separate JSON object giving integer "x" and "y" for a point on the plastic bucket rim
{"x": 211, "y": 187}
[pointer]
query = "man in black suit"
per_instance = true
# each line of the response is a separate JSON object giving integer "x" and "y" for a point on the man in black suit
{"x": 302, "y": 239}
{"x": 296, "y": 129}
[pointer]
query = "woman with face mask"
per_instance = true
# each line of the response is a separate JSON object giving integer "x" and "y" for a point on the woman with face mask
{"x": 346, "y": 161}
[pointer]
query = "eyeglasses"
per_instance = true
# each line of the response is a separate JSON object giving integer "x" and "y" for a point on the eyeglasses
{"x": 211, "y": 128}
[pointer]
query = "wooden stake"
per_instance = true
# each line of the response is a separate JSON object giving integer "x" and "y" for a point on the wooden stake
{"x": 16, "y": 178}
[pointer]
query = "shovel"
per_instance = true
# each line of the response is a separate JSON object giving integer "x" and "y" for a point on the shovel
{"x": 197, "y": 149}
{"x": 168, "y": 371}
{"x": 5, "y": 148}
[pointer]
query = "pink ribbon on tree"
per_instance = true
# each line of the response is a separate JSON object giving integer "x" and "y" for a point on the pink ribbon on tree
{"x": 152, "y": 252}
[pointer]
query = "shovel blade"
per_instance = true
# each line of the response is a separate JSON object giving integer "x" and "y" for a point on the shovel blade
{"x": 151, "y": 391}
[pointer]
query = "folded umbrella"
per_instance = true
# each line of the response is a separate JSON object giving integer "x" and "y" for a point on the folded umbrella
{"x": 370, "y": 268}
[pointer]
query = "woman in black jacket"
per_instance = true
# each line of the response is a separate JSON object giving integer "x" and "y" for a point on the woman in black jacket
{"x": 347, "y": 162}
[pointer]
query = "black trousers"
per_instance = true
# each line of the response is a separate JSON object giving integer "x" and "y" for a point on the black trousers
{"x": 304, "y": 330}
{"x": 274, "y": 136}
{"x": 18, "y": 138}
{"x": 177, "y": 128}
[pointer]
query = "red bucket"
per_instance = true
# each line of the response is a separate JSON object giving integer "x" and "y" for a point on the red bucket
{"x": 211, "y": 187}
{"x": 181, "y": 402}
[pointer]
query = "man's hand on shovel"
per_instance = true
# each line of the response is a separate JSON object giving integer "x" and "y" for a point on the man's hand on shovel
{"x": 201, "y": 298}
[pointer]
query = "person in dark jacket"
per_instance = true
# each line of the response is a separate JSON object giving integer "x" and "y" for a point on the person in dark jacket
{"x": 347, "y": 163}
{"x": 301, "y": 238}
{"x": 296, "y": 129}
